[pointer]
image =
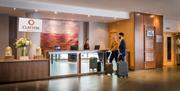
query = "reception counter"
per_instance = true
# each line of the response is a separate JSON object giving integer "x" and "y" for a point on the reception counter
{"x": 79, "y": 65}
{"x": 23, "y": 70}
{"x": 14, "y": 70}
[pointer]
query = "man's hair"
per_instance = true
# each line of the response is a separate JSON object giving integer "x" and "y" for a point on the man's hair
{"x": 122, "y": 34}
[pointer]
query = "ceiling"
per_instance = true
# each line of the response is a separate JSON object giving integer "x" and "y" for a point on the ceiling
{"x": 168, "y": 8}
{"x": 52, "y": 15}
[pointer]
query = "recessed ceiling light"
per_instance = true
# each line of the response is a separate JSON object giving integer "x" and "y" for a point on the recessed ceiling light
{"x": 36, "y": 10}
{"x": 151, "y": 16}
{"x": 55, "y": 12}
{"x": 138, "y": 14}
{"x": 115, "y": 18}
{"x": 14, "y": 8}
{"x": 89, "y": 15}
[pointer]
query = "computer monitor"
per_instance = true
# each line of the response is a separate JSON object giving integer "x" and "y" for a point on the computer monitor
{"x": 74, "y": 47}
{"x": 97, "y": 47}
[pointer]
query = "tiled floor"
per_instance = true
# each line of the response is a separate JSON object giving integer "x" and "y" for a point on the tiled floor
{"x": 167, "y": 79}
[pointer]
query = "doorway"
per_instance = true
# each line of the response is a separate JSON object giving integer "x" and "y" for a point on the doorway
{"x": 169, "y": 49}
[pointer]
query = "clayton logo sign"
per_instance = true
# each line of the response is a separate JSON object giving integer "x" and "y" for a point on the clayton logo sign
{"x": 31, "y": 22}
{"x": 30, "y": 25}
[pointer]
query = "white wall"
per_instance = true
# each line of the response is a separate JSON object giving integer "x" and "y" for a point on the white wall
{"x": 81, "y": 37}
{"x": 4, "y": 33}
{"x": 172, "y": 24}
{"x": 98, "y": 35}
{"x": 36, "y": 40}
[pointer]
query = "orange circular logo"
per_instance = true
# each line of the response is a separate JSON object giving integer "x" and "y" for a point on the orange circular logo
{"x": 31, "y": 22}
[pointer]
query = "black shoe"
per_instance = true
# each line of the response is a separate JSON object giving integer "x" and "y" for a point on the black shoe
{"x": 116, "y": 73}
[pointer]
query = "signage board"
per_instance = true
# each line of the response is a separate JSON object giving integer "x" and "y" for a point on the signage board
{"x": 30, "y": 25}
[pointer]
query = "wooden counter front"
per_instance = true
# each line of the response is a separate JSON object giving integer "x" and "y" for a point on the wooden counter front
{"x": 23, "y": 70}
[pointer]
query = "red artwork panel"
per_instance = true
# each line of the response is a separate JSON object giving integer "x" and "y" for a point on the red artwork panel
{"x": 49, "y": 41}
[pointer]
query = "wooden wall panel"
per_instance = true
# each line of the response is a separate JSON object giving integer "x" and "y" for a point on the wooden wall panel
{"x": 142, "y": 41}
{"x": 135, "y": 36}
{"x": 127, "y": 27}
{"x": 13, "y": 33}
{"x": 149, "y": 43}
{"x": 3, "y": 72}
{"x": 158, "y": 23}
{"x": 24, "y": 71}
{"x": 139, "y": 42}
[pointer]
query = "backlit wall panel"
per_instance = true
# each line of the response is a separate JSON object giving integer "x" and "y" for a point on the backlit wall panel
{"x": 59, "y": 33}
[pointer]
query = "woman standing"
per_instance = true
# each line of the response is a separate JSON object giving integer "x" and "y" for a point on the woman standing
{"x": 114, "y": 49}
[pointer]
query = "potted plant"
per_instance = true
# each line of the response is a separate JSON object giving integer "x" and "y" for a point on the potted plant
{"x": 177, "y": 35}
{"x": 178, "y": 39}
{"x": 23, "y": 43}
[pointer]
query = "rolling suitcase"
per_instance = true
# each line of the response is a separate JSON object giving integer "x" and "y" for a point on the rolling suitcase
{"x": 99, "y": 66}
{"x": 108, "y": 68}
{"x": 93, "y": 63}
{"x": 122, "y": 69}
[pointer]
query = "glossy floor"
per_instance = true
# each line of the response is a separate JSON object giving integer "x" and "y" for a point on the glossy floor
{"x": 166, "y": 79}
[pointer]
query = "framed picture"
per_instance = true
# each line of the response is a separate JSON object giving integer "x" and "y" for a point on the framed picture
{"x": 150, "y": 31}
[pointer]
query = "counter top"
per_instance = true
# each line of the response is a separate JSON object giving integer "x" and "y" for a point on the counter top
{"x": 17, "y": 60}
{"x": 76, "y": 51}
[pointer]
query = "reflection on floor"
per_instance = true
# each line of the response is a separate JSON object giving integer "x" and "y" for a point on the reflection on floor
{"x": 167, "y": 79}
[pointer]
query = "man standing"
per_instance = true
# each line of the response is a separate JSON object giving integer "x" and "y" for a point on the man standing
{"x": 122, "y": 47}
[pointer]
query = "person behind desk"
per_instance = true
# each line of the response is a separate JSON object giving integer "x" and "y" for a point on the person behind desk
{"x": 122, "y": 47}
{"x": 114, "y": 49}
{"x": 86, "y": 45}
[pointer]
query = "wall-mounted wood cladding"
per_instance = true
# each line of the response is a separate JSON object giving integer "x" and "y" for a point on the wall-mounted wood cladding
{"x": 146, "y": 52}
{"x": 15, "y": 71}
{"x": 158, "y": 23}
{"x": 13, "y": 33}
{"x": 148, "y": 49}
{"x": 139, "y": 42}
{"x": 127, "y": 27}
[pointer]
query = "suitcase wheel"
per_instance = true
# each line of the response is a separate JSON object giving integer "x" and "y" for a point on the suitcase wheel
{"x": 105, "y": 73}
{"x": 127, "y": 76}
{"x": 122, "y": 76}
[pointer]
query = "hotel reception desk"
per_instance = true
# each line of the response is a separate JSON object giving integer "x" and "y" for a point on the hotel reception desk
{"x": 54, "y": 67}
{"x": 15, "y": 70}
{"x": 23, "y": 70}
{"x": 75, "y": 62}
